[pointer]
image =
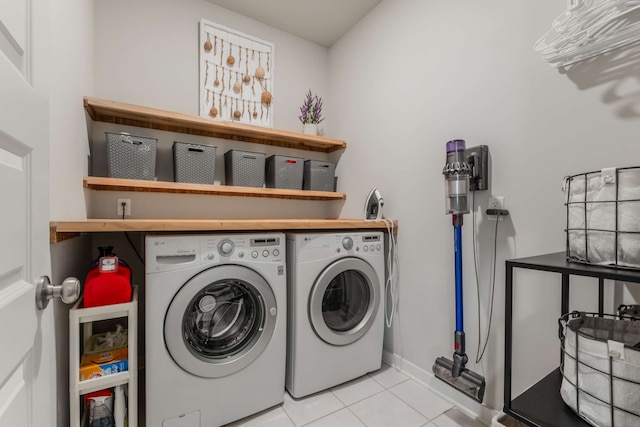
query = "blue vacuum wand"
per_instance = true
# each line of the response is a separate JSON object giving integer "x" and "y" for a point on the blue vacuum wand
{"x": 453, "y": 372}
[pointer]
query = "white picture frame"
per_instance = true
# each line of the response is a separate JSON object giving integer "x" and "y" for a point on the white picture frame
{"x": 223, "y": 85}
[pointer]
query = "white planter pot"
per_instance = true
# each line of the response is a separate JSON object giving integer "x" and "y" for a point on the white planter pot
{"x": 310, "y": 129}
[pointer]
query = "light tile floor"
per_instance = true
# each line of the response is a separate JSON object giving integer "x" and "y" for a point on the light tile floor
{"x": 383, "y": 398}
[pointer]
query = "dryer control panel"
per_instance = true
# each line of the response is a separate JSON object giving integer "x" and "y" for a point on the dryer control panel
{"x": 345, "y": 243}
{"x": 372, "y": 242}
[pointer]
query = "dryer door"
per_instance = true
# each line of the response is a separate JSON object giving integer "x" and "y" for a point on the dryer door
{"x": 220, "y": 321}
{"x": 344, "y": 301}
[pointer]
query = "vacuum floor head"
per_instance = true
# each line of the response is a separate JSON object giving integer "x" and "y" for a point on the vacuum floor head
{"x": 468, "y": 382}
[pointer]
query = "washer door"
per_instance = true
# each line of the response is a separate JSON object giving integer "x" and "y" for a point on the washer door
{"x": 220, "y": 321}
{"x": 344, "y": 301}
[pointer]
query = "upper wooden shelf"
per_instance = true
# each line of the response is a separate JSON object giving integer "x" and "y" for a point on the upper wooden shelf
{"x": 140, "y": 185}
{"x": 62, "y": 230}
{"x": 134, "y": 115}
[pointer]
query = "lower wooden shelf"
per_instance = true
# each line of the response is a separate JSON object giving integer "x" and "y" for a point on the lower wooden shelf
{"x": 62, "y": 230}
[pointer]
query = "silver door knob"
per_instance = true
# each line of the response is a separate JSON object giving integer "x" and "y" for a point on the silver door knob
{"x": 68, "y": 292}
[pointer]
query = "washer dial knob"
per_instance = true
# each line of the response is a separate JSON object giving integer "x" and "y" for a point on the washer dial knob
{"x": 226, "y": 247}
{"x": 347, "y": 243}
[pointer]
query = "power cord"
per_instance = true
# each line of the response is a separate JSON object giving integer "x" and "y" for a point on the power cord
{"x": 391, "y": 286}
{"x": 498, "y": 212}
{"x": 129, "y": 239}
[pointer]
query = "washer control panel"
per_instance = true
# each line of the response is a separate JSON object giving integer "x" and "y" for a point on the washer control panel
{"x": 166, "y": 253}
{"x": 250, "y": 247}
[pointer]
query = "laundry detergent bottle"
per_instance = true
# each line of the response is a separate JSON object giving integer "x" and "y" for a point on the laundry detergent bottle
{"x": 108, "y": 281}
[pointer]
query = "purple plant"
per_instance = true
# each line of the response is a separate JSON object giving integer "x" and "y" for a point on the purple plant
{"x": 311, "y": 110}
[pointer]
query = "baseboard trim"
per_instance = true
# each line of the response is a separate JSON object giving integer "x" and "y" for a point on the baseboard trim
{"x": 475, "y": 410}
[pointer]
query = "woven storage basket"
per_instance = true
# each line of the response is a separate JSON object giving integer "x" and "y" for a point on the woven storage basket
{"x": 318, "y": 175}
{"x": 601, "y": 368}
{"x": 244, "y": 168}
{"x": 195, "y": 163}
{"x": 284, "y": 172}
{"x": 131, "y": 156}
{"x": 603, "y": 217}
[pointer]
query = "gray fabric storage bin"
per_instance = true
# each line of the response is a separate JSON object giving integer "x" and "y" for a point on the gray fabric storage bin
{"x": 195, "y": 163}
{"x": 131, "y": 156}
{"x": 284, "y": 172}
{"x": 244, "y": 168}
{"x": 318, "y": 175}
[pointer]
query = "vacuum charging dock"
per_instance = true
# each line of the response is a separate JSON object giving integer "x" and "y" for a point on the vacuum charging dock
{"x": 478, "y": 159}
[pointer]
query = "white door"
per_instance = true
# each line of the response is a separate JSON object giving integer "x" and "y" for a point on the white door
{"x": 27, "y": 358}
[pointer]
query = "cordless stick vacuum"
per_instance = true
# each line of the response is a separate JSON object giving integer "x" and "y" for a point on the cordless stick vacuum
{"x": 456, "y": 174}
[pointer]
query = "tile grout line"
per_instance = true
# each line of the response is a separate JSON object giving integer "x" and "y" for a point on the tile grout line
{"x": 356, "y": 415}
{"x": 360, "y": 400}
{"x": 415, "y": 409}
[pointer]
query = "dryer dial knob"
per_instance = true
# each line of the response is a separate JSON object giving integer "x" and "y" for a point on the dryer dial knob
{"x": 226, "y": 247}
{"x": 347, "y": 243}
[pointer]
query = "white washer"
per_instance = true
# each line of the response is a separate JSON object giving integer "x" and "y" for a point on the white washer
{"x": 335, "y": 308}
{"x": 215, "y": 327}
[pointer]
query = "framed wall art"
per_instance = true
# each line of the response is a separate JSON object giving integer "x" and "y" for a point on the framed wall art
{"x": 236, "y": 75}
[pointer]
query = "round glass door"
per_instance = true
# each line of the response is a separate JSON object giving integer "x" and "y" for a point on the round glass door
{"x": 344, "y": 301}
{"x": 220, "y": 321}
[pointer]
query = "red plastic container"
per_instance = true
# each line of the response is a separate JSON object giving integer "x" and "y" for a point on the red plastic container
{"x": 108, "y": 283}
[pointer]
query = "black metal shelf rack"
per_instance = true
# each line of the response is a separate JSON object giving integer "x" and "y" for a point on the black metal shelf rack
{"x": 541, "y": 404}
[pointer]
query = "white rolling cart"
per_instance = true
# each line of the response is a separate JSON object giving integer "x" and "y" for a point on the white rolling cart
{"x": 84, "y": 317}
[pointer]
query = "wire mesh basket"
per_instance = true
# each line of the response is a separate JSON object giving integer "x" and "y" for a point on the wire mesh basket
{"x": 603, "y": 217}
{"x": 601, "y": 367}
{"x": 632, "y": 310}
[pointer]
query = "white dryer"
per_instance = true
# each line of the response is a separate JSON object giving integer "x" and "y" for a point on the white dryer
{"x": 335, "y": 308}
{"x": 215, "y": 327}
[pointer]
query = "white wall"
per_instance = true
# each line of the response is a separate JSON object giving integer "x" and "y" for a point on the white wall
{"x": 413, "y": 75}
{"x": 71, "y": 73}
{"x": 146, "y": 53}
{"x": 151, "y": 59}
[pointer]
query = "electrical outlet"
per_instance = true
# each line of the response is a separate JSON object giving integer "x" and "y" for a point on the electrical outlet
{"x": 127, "y": 207}
{"x": 496, "y": 202}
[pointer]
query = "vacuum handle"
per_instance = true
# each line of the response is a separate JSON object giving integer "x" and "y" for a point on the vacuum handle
{"x": 457, "y": 233}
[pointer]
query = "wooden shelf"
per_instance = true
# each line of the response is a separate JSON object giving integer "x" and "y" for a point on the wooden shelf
{"x": 62, "y": 230}
{"x": 139, "y": 185}
{"x": 134, "y": 115}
